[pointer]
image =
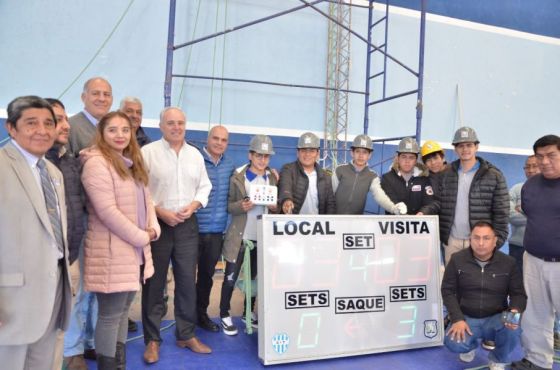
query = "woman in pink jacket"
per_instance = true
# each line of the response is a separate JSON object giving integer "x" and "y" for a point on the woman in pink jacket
{"x": 121, "y": 224}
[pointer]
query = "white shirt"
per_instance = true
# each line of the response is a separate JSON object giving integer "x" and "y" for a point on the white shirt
{"x": 311, "y": 204}
{"x": 32, "y": 162}
{"x": 176, "y": 179}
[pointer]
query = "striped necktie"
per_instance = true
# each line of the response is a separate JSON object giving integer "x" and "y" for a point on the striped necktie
{"x": 52, "y": 204}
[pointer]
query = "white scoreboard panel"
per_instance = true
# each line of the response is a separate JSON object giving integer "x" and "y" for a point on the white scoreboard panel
{"x": 333, "y": 286}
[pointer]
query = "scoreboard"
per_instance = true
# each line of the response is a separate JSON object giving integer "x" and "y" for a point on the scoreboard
{"x": 334, "y": 286}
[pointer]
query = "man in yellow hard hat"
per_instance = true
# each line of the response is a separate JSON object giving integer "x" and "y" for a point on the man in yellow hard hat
{"x": 433, "y": 157}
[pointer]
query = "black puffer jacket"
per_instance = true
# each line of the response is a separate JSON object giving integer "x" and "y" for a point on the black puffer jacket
{"x": 488, "y": 200}
{"x": 415, "y": 193}
{"x": 293, "y": 185}
{"x": 75, "y": 198}
{"x": 468, "y": 289}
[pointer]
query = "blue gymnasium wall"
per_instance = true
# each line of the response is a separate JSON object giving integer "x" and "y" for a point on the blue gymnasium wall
{"x": 494, "y": 61}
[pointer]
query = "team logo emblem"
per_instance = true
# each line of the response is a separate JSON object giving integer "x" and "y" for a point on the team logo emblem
{"x": 430, "y": 328}
{"x": 429, "y": 190}
{"x": 280, "y": 342}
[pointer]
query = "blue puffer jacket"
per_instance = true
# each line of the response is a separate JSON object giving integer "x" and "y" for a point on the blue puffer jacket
{"x": 213, "y": 218}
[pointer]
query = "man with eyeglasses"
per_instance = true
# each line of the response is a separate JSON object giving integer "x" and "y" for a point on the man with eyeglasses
{"x": 517, "y": 218}
{"x": 242, "y": 230}
{"x": 305, "y": 188}
{"x": 540, "y": 201}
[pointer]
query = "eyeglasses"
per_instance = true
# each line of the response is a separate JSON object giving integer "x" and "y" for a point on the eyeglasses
{"x": 531, "y": 166}
{"x": 261, "y": 156}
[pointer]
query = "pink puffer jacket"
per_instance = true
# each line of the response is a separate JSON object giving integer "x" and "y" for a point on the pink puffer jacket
{"x": 111, "y": 262}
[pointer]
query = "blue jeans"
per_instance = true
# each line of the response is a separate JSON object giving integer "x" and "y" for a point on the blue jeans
{"x": 488, "y": 328}
{"x": 83, "y": 319}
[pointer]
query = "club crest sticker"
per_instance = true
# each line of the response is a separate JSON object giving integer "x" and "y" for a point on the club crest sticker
{"x": 430, "y": 328}
{"x": 280, "y": 342}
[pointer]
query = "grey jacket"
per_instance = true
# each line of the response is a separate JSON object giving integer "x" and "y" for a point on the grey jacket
{"x": 234, "y": 233}
{"x": 488, "y": 200}
{"x": 518, "y": 220}
{"x": 82, "y": 133}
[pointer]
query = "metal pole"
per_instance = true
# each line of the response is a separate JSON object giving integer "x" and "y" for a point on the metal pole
{"x": 377, "y": 48}
{"x": 247, "y": 24}
{"x": 386, "y": 48}
{"x": 368, "y": 68}
{"x": 419, "y": 103}
{"x": 169, "y": 60}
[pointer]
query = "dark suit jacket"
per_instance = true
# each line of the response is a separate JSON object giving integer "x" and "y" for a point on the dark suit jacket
{"x": 28, "y": 259}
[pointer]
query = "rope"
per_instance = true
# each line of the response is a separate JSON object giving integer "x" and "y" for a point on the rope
{"x": 223, "y": 64}
{"x": 213, "y": 65}
{"x": 189, "y": 55}
{"x": 98, "y": 50}
{"x": 248, "y": 285}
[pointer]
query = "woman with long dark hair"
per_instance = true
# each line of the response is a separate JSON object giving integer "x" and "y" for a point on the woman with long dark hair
{"x": 121, "y": 224}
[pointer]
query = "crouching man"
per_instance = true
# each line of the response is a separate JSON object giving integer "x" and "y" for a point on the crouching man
{"x": 477, "y": 285}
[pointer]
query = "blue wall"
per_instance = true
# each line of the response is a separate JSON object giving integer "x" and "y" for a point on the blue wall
{"x": 502, "y": 80}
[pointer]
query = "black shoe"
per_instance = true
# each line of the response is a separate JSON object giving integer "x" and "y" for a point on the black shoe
{"x": 205, "y": 323}
{"x": 106, "y": 363}
{"x": 132, "y": 325}
{"x": 488, "y": 345}
{"x": 120, "y": 356}
{"x": 525, "y": 364}
{"x": 90, "y": 354}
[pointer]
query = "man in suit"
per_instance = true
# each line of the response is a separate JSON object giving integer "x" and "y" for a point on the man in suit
{"x": 132, "y": 107}
{"x": 35, "y": 296}
{"x": 97, "y": 97}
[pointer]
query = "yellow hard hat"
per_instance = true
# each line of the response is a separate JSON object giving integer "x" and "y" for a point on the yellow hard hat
{"x": 430, "y": 147}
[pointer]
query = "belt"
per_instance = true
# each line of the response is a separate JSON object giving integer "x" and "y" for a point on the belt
{"x": 548, "y": 259}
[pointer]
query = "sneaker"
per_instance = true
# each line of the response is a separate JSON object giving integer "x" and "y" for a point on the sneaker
{"x": 557, "y": 341}
{"x": 254, "y": 320}
{"x": 496, "y": 365}
{"x": 228, "y": 327}
{"x": 468, "y": 356}
{"x": 488, "y": 345}
{"x": 525, "y": 364}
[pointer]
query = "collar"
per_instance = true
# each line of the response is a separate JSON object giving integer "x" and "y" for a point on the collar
{"x": 474, "y": 168}
{"x": 212, "y": 158}
{"x": 356, "y": 169}
{"x": 31, "y": 159}
{"x": 94, "y": 121}
{"x": 251, "y": 175}
{"x": 166, "y": 144}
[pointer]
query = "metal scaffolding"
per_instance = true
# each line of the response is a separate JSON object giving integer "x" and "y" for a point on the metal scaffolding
{"x": 337, "y": 87}
{"x": 338, "y": 74}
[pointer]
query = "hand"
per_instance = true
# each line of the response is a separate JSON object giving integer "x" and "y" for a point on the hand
{"x": 246, "y": 205}
{"x": 151, "y": 233}
{"x": 288, "y": 206}
{"x": 518, "y": 209}
{"x": 400, "y": 209}
{"x": 458, "y": 331}
{"x": 169, "y": 217}
{"x": 419, "y": 213}
{"x": 187, "y": 212}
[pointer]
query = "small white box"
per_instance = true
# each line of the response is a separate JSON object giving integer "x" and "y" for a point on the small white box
{"x": 264, "y": 195}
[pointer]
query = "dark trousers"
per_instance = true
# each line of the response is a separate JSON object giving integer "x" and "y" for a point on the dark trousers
{"x": 209, "y": 251}
{"x": 516, "y": 251}
{"x": 230, "y": 277}
{"x": 180, "y": 245}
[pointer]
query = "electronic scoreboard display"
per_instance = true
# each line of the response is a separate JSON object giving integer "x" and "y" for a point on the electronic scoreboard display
{"x": 334, "y": 286}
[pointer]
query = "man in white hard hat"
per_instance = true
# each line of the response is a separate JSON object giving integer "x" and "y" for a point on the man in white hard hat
{"x": 352, "y": 181}
{"x": 304, "y": 187}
